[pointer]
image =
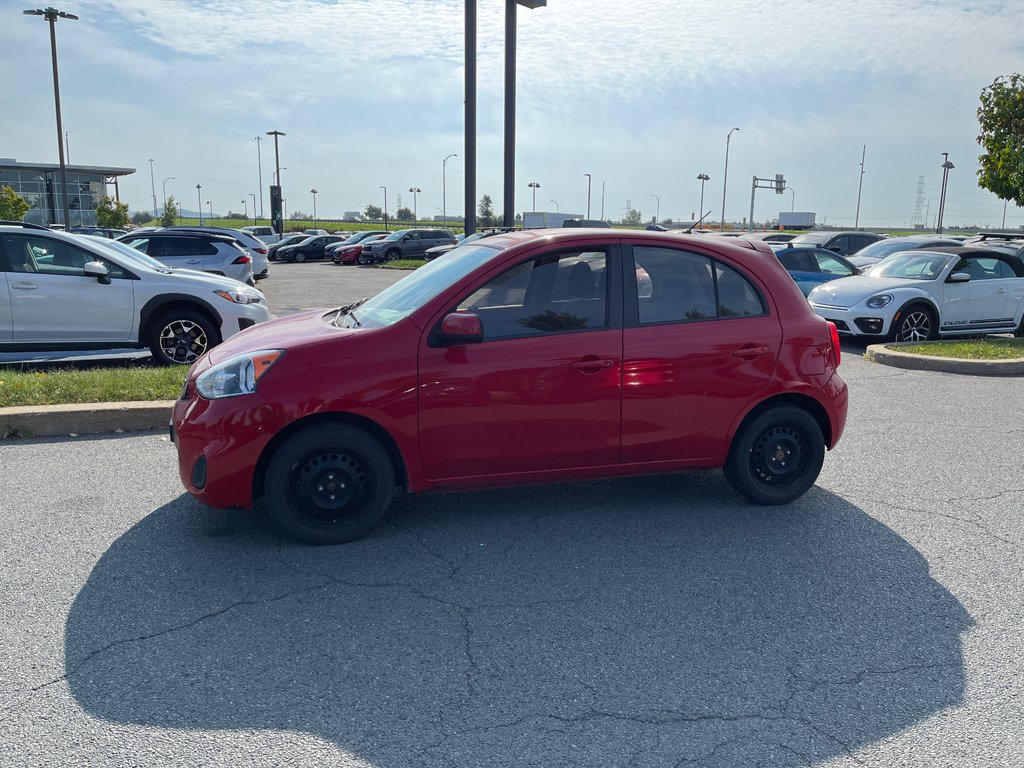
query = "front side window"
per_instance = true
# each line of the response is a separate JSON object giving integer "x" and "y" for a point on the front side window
{"x": 830, "y": 265}
{"x": 29, "y": 254}
{"x": 556, "y": 293}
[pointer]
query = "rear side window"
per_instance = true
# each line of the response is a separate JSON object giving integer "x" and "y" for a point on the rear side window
{"x": 185, "y": 246}
{"x": 678, "y": 287}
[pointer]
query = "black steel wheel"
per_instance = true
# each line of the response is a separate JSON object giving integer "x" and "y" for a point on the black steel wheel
{"x": 329, "y": 484}
{"x": 776, "y": 455}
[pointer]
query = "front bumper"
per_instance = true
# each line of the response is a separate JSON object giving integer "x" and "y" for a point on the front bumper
{"x": 854, "y": 321}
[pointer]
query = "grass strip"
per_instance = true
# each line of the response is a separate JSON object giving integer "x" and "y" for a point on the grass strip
{"x": 403, "y": 264}
{"x": 95, "y": 385}
{"x": 968, "y": 349}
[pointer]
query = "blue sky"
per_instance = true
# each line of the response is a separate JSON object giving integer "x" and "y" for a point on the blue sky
{"x": 639, "y": 94}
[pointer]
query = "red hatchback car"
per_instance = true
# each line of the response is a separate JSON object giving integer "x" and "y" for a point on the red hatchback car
{"x": 522, "y": 358}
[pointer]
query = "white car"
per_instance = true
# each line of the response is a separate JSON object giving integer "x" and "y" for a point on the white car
{"x": 62, "y": 292}
{"x": 924, "y": 294}
{"x": 266, "y": 234}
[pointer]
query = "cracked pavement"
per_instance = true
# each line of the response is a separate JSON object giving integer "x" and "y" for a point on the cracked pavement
{"x": 642, "y": 622}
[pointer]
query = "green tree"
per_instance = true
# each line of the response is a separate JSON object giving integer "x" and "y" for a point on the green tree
{"x": 170, "y": 212}
{"x": 373, "y": 212}
{"x": 1001, "y": 117}
{"x": 299, "y": 216}
{"x": 485, "y": 213}
{"x": 112, "y": 214}
{"x": 404, "y": 214}
{"x": 634, "y": 217}
{"x": 141, "y": 217}
{"x": 12, "y": 205}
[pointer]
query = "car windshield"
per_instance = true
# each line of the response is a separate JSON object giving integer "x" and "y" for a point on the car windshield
{"x": 911, "y": 265}
{"x": 810, "y": 239}
{"x": 397, "y": 235}
{"x": 416, "y": 289}
{"x": 883, "y": 248}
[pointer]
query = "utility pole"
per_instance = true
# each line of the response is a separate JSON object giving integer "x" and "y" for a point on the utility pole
{"x": 856, "y": 219}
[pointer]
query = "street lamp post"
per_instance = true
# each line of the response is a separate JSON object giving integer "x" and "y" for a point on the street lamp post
{"x": 152, "y": 186}
{"x": 510, "y": 104}
{"x": 556, "y": 205}
{"x": 860, "y": 185}
{"x": 657, "y": 210}
{"x": 534, "y": 186}
{"x": 245, "y": 208}
{"x": 792, "y": 205}
{"x": 199, "y": 196}
{"x": 253, "y": 196}
{"x": 51, "y": 15}
{"x": 313, "y": 193}
{"x": 444, "y": 188}
{"x": 278, "y": 222}
{"x": 588, "y": 194}
{"x": 725, "y": 176}
{"x": 259, "y": 161}
{"x": 210, "y": 204}
{"x": 702, "y": 177}
{"x": 947, "y": 166}
{"x": 164, "y": 185}
{"x": 385, "y": 206}
{"x": 415, "y": 211}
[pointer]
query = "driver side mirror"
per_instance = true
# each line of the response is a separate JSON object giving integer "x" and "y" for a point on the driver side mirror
{"x": 97, "y": 270}
{"x": 461, "y": 328}
{"x": 959, "y": 277}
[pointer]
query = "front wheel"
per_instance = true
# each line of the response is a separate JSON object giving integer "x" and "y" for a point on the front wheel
{"x": 300, "y": 256}
{"x": 917, "y": 323}
{"x": 180, "y": 336}
{"x": 776, "y": 456}
{"x": 393, "y": 255}
{"x": 329, "y": 484}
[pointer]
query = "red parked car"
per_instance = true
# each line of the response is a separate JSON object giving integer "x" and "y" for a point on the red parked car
{"x": 348, "y": 252}
{"x": 522, "y": 358}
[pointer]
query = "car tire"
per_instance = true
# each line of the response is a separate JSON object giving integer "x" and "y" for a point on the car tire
{"x": 181, "y": 336}
{"x": 300, "y": 256}
{"x": 1019, "y": 333}
{"x": 776, "y": 455}
{"x": 917, "y": 323}
{"x": 329, "y": 484}
{"x": 393, "y": 254}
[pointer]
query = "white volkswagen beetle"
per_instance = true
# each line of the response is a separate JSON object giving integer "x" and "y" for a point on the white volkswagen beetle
{"x": 924, "y": 294}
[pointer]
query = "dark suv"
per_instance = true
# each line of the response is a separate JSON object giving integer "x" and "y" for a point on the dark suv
{"x": 405, "y": 244}
{"x": 843, "y": 243}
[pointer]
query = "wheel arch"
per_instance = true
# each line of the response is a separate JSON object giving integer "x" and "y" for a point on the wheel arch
{"x": 160, "y": 304}
{"x": 369, "y": 426}
{"x": 806, "y": 402}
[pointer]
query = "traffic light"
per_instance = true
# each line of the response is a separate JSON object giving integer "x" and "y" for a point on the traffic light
{"x": 780, "y": 184}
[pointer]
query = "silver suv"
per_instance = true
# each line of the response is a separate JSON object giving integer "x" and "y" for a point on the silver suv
{"x": 204, "y": 251}
{"x": 405, "y": 244}
{"x": 256, "y": 248}
{"x": 64, "y": 292}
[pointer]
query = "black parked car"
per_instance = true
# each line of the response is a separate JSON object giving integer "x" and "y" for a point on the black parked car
{"x": 313, "y": 247}
{"x": 293, "y": 239}
{"x": 843, "y": 243}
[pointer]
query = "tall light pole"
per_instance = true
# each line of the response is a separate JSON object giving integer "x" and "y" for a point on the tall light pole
{"x": 444, "y": 188}
{"x": 588, "y": 193}
{"x": 657, "y": 211}
{"x": 152, "y": 185}
{"x": 702, "y": 177}
{"x": 245, "y": 209}
{"x": 164, "y": 185}
{"x": 947, "y": 166}
{"x": 534, "y": 186}
{"x": 860, "y": 184}
{"x": 253, "y": 196}
{"x": 510, "y": 105}
{"x": 199, "y": 196}
{"x": 313, "y": 193}
{"x": 556, "y": 205}
{"x": 725, "y": 176}
{"x": 259, "y": 162}
{"x": 51, "y": 15}
{"x": 277, "y": 194}
{"x": 792, "y": 205}
{"x": 210, "y": 204}
{"x": 415, "y": 212}
{"x": 385, "y": 206}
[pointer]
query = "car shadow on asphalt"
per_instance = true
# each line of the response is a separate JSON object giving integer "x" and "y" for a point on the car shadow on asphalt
{"x": 655, "y": 619}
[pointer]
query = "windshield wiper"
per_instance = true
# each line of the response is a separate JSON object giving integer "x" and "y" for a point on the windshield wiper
{"x": 347, "y": 311}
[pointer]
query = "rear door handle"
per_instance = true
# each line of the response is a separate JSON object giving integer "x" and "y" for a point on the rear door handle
{"x": 23, "y": 286}
{"x": 749, "y": 353}
{"x": 591, "y": 366}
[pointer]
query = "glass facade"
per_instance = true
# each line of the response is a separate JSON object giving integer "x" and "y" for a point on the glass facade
{"x": 40, "y": 187}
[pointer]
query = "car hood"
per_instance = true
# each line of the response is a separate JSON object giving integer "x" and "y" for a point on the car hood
{"x": 851, "y": 290}
{"x": 285, "y": 333}
{"x": 215, "y": 282}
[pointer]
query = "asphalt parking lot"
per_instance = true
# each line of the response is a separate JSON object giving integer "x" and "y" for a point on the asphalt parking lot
{"x": 644, "y": 622}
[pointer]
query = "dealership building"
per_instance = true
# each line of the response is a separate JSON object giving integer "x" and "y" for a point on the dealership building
{"x": 39, "y": 184}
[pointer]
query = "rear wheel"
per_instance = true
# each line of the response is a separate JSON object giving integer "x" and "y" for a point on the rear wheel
{"x": 776, "y": 456}
{"x": 180, "y": 336}
{"x": 329, "y": 484}
{"x": 917, "y": 323}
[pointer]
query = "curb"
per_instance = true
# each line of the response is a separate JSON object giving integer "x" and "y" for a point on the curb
{"x": 84, "y": 419}
{"x": 878, "y": 353}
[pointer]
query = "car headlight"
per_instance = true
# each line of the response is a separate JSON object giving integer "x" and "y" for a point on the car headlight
{"x": 241, "y": 296}
{"x": 237, "y": 375}
{"x": 879, "y": 301}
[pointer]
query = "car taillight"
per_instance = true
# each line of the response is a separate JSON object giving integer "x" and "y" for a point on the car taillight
{"x": 242, "y": 259}
{"x": 264, "y": 251}
{"x": 833, "y": 333}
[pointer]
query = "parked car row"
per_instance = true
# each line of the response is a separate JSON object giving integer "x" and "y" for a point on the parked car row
{"x": 210, "y": 249}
